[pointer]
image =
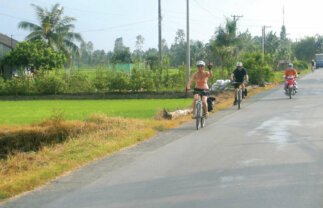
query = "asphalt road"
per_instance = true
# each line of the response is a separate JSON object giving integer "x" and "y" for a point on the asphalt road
{"x": 268, "y": 154}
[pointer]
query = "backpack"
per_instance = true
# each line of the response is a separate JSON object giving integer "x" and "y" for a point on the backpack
{"x": 210, "y": 103}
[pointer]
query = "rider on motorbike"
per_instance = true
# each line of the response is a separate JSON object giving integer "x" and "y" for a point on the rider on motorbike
{"x": 290, "y": 71}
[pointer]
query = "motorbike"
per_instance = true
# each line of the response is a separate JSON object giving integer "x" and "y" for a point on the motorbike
{"x": 291, "y": 86}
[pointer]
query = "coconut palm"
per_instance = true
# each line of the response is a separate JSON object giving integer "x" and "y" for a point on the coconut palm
{"x": 224, "y": 44}
{"x": 54, "y": 29}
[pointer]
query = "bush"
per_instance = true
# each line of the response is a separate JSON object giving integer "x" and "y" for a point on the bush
{"x": 100, "y": 81}
{"x": 29, "y": 86}
{"x": 50, "y": 83}
{"x": 257, "y": 68}
{"x": 2, "y": 86}
{"x": 119, "y": 81}
{"x": 79, "y": 82}
{"x": 148, "y": 80}
{"x": 136, "y": 80}
{"x": 15, "y": 86}
{"x": 300, "y": 65}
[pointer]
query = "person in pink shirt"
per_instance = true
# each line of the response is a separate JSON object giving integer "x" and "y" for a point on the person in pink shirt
{"x": 201, "y": 86}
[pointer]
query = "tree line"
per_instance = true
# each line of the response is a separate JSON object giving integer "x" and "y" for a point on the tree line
{"x": 52, "y": 44}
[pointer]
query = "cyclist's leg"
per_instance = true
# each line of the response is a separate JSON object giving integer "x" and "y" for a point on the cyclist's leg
{"x": 196, "y": 97}
{"x": 235, "y": 93}
{"x": 204, "y": 102}
{"x": 243, "y": 90}
{"x": 243, "y": 87}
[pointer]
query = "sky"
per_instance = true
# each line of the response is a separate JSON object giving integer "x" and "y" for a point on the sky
{"x": 103, "y": 21}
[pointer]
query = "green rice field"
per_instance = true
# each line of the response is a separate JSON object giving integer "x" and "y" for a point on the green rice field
{"x": 32, "y": 111}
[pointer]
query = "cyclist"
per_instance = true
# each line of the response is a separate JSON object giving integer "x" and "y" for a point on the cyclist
{"x": 239, "y": 74}
{"x": 313, "y": 64}
{"x": 200, "y": 77}
{"x": 290, "y": 71}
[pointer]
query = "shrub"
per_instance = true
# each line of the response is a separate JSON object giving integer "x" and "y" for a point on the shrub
{"x": 79, "y": 82}
{"x": 2, "y": 86}
{"x": 257, "y": 68}
{"x": 29, "y": 86}
{"x": 15, "y": 86}
{"x": 136, "y": 80}
{"x": 50, "y": 83}
{"x": 119, "y": 81}
{"x": 100, "y": 80}
{"x": 148, "y": 80}
{"x": 300, "y": 65}
{"x": 157, "y": 79}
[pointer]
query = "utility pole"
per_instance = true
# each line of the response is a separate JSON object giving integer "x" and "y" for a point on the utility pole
{"x": 264, "y": 37}
{"x": 236, "y": 17}
{"x": 283, "y": 15}
{"x": 263, "y": 40}
{"x": 159, "y": 37}
{"x": 11, "y": 42}
{"x": 188, "y": 43}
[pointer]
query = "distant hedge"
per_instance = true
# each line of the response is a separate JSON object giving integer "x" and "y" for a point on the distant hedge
{"x": 300, "y": 65}
{"x": 58, "y": 82}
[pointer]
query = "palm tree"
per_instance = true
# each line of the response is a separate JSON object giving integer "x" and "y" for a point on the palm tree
{"x": 55, "y": 30}
{"x": 224, "y": 44}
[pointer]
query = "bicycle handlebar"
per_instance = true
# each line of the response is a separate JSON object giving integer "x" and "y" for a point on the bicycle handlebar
{"x": 236, "y": 82}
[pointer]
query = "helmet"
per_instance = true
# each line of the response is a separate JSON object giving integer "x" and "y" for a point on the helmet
{"x": 200, "y": 63}
{"x": 239, "y": 64}
{"x": 290, "y": 65}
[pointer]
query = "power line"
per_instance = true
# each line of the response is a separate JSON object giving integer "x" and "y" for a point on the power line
{"x": 15, "y": 17}
{"x": 205, "y": 9}
{"x": 118, "y": 26}
{"x": 236, "y": 17}
{"x": 82, "y": 10}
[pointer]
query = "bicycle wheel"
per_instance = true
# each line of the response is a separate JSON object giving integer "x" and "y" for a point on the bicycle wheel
{"x": 197, "y": 110}
{"x": 239, "y": 98}
{"x": 202, "y": 121}
{"x": 290, "y": 92}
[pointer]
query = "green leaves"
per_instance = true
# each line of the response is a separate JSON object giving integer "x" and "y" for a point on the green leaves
{"x": 35, "y": 54}
{"x": 55, "y": 29}
{"x": 257, "y": 67}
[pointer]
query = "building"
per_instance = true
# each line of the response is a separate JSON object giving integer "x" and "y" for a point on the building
{"x": 6, "y": 45}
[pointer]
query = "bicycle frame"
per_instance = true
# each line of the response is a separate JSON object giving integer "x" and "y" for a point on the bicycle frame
{"x": 199, "y": 112}
{"x": 239, "y": 93}
{"x": 239, "y": 96}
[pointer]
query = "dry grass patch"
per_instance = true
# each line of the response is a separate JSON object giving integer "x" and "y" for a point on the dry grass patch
{"x": 23, "y": 171}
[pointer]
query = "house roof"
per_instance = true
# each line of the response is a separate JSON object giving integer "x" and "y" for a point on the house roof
{"x": 7, "y": 41}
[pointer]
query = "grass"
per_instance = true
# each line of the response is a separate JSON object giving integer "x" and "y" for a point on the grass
{"x": 26, "y": 170}
{"x": 278, "y": 76}
{"x": 31, "y": 111}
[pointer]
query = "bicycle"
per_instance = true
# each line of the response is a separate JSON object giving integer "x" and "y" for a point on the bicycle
{"x": 199, "y": 115}
{"x": 239, "y": 93}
